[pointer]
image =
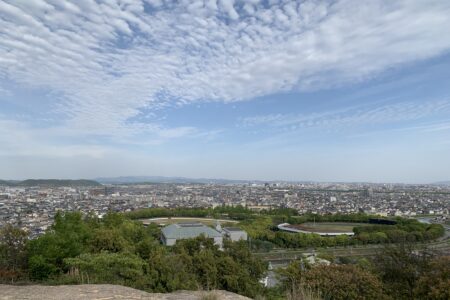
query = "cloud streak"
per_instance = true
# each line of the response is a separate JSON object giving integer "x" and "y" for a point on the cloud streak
{"x": 353, "y": 117}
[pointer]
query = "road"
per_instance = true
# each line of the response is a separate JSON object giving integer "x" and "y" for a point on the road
{"x": 280, "y": 257}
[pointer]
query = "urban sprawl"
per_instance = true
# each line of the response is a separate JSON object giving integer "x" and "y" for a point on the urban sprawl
{"x": 33, "y": 208}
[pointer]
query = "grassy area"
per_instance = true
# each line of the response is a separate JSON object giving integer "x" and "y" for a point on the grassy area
{"x": 328, "y": 226}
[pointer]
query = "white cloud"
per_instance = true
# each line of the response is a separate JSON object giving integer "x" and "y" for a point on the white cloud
{"x": 354, "y": 116}
{"x": 5, "y": 92}
{"x": 110, "y": 59}
{"x": 19, "y": 140}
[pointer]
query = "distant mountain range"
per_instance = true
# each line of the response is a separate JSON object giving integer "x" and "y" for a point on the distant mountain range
{"x": 442, "y": 183}
{"x": 50, "y": 183}
{"x": 140, "y": 180}
{"x": 163, "y": 179}
{"x": 7, "y": 182}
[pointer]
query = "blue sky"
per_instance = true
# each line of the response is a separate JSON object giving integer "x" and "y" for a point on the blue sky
{"x": 243, "y": 89}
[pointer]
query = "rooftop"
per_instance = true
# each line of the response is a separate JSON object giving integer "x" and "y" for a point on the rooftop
{"x": 188, "y": 230}
{"x": 185, "y": 225}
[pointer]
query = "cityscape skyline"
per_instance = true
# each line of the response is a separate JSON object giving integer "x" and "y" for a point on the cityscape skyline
{"x": 34, "y": 205}
{"x": 126, "y": 180}
{"x": 251, "y": 90}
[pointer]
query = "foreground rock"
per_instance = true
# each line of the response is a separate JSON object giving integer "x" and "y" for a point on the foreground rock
{"x": 104, "y": 292}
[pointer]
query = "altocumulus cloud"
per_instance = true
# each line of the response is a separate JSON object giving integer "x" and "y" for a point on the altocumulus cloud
{"x": 364, "y": 114}
{"x": 111, "y": 60}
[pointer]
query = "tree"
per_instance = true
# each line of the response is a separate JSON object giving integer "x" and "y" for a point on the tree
{"x": 234, "y": 269}
{"x": 113, "y": 268}
{"x": 145, "y": 247}
{"x": 113, "y": 219}
{"x": 117, "y": 250}
{"x": 68, "y": 237}
{"x": 292, "y": 278}
{"x": 341, "y": 282}
{"x": 332, "y": 282}
{"x": 40, "y": 268}
{"x": 399, "y": 267}
{"x": 435, "y": 283}
{"x": 170, "y": 272}
{"x": 105, "y": 239}
{"x": 205, "y": 266}
{"x": 235, "y": 278}
{"x": 240, "y": 252}
{"x": 13, "y": 254}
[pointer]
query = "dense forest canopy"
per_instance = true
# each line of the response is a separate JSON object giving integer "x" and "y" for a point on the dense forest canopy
{"x": 117, "y": 250}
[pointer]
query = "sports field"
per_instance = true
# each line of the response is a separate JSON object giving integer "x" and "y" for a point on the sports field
{"x": 206, "y": 221}
{"x": 327, "y": 226}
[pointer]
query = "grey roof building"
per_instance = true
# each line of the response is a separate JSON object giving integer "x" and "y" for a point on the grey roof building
{"x": 235, "y": 234}
{"x": 174, "y": 232}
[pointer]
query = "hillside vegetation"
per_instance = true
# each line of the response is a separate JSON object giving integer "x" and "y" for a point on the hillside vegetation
{"x": 84, "y": 249}
{"x": 116, "y": 250}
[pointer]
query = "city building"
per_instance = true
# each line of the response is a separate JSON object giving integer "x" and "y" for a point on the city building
{"x": 33, "y": 208}
{"x": 234, "y": 234}
{"x": 180, "y": 231}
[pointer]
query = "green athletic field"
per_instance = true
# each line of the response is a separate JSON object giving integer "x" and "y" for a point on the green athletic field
{"x": 328, "y": 226}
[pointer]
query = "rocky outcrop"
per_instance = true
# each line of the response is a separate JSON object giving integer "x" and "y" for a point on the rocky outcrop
{"x": 104, "y": 292}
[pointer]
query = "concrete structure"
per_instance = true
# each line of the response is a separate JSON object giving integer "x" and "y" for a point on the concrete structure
{"x": 174, "y": 232}
{"x": 286, "y": 227}
{"x": 312, "y": 259}
{"x": 234, "y": 233}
